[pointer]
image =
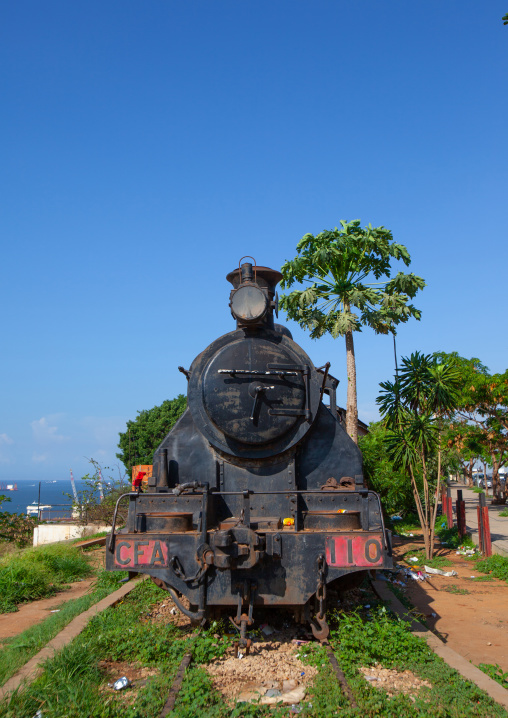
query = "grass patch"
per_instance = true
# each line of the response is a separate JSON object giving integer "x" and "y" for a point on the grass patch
{"x": 18, "y": 650}
{"x": 73, "y": 685}
{"x": 34, "y": 573}
{"x": 358, "y": 641}
{"x": 405, "y": 525}
{"x": 436, "y": 562}
{"x": 99, "y": 534}
{"x": 496, "y": 566}
{"x": 477, "y": 490}
{"x": 453, "y": 588}
{"x": 503, "y": 513}
{"x": 484, "y": 578}
{"x": 401, "y": 595}
{"x": 495, "y": 672}
{"x": 451, "y": 537}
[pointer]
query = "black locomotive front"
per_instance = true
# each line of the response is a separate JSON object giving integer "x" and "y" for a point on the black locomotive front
{"x": 257, "y": 495}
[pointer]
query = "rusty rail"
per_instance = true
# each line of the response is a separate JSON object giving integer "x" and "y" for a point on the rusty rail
{"x": 177, "y": 684}
{"x": 341, "y": 677}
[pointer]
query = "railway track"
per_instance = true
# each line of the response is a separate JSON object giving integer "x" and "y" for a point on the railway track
{"x": 187, "y": 659}
{"x": 215, "y": 671}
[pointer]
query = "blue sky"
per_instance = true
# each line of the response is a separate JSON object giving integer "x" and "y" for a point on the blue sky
{"x": 147, "y": 146}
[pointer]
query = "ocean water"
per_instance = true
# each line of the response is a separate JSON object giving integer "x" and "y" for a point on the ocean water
{"x": 52, "y": 493}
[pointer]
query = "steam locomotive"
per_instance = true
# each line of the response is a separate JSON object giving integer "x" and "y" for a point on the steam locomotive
{"x": 257, "y": 496}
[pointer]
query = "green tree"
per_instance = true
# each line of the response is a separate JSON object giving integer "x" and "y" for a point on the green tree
{"x": 144, "y": 434}
{"x": 349, "y": 269}
{"x": 382, "y": 476}
{"x": 458, "y": 437}
{"x": 481, "y": 416}
{"x": 413, "y": 408}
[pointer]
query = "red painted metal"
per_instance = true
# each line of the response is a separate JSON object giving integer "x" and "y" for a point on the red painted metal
{"x": 461, "y": 517}
{"x": 486, "y": 532}
{"x": 133, "y": 553}
{"x": 449, "y": 512}
{"x": 354, "y": 550}
{"x": 480, "y": 528}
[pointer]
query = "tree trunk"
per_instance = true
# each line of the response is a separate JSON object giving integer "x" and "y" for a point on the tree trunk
{"x": 421, "y": 511}
{"x": 496, "y": 484}
{"x": 436, "y": 497}
{"x": 351, "y": 405}
{"x": 470, "y": 473}
{"x": 467, "y": 472}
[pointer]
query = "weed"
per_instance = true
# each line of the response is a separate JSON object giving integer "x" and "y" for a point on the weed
{"x": 503, "y": 513}
{"x": 99, "y": 534}
{"x": 72, "y": 686}
{"x": 405, "y": 525}
{"x": 436, "y": 562}
{"x": 453, "y": 588}
{"x": 401, "y": 595}
{"x": 495, "y": 672}
{"x": 495, "y": 565}
{"x": 451, "y": 537}
{"x": 388, "y": 641}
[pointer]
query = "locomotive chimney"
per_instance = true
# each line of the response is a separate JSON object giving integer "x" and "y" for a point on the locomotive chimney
{"x": 253, "y": 298}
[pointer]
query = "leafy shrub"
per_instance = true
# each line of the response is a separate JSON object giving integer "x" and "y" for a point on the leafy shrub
{"x": 16, "y": 528}
{"x": 391, "y": 484}
{"x": 451, "y": 537}
{"x": 495, "y": 672}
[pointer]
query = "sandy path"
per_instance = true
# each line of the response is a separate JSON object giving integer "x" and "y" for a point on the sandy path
{"x": 475, "y": 624}
{"x": 30, "y": 614}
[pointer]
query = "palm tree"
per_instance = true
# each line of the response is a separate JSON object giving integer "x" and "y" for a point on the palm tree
{"x": 348, "y": 271}
{"x": 413, "y": 408}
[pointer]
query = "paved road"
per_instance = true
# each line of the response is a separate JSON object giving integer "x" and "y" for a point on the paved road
{"x": 498, "y": 524}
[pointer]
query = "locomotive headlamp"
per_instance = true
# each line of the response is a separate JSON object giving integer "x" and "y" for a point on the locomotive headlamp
{"x": 249, "y": 304}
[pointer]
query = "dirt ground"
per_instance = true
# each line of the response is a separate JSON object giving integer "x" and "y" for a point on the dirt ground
{"x": 30, "y": 614}
{"x": 475, "y": 624}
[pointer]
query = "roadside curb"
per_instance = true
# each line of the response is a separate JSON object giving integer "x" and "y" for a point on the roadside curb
{"x": 451, "y": 657}
{"x": 33, "y": 667}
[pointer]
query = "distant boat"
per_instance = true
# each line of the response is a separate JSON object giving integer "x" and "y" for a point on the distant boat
{"x": 34, "y": 508}
{"x": 8, "y": 487}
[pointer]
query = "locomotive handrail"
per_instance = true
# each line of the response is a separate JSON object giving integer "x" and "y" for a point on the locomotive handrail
{"x": 138, "y": 493}
{"x": 257, "y": 372}
{"x": 112, "y": 535}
